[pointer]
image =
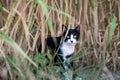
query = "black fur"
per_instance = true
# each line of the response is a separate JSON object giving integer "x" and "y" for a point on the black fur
{"x": 55, "y": 43}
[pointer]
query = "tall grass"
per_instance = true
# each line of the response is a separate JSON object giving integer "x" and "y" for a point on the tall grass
{"x": 24, "y": 24}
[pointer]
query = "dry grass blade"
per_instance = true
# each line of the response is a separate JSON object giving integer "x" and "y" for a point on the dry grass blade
{"x": 26, "y": 29}
{"x": 26, "y": 24}
{"x": 6, "y": 38}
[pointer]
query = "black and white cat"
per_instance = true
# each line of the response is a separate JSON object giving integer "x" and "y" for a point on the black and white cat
{"x": 64, "y": 45}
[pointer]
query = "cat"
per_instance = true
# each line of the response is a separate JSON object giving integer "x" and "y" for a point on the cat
{"x": 64, "y": 46}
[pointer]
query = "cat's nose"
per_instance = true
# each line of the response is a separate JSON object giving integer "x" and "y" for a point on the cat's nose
{"x": 71, "y": 41}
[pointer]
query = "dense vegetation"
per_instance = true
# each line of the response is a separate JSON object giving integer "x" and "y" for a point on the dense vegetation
{"x": 24, "y": 24}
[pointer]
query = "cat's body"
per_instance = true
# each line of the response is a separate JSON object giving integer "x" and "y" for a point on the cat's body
{"x": 64, "y": 45}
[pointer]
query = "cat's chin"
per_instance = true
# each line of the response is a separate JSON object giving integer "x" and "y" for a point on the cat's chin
{"x": 72, "y": 44}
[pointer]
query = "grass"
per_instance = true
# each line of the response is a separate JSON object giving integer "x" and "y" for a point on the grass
{"x": 24, "y": 24}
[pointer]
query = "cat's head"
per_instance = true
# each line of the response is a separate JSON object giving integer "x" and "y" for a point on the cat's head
{"x": 71, "y": 36}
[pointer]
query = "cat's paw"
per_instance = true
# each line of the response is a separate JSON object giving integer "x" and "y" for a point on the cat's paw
{"x": 78, "y": 78}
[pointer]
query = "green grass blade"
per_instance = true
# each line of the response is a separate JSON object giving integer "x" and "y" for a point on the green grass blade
{"x": 112, "y": 28}
{"x": 59, "y": 11}
{"x": 6, "y": 38}
{"x": 17, "y": 68}
{"x": 43, "y": 5}
{"x": 46, "y": 8}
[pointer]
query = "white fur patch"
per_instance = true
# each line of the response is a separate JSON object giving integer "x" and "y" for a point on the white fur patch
{"x": 67, "y": 49}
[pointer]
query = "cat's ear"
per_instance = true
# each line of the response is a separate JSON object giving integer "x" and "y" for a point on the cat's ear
{"x": 64, "y": 28}
{"x": 77, "y": 28}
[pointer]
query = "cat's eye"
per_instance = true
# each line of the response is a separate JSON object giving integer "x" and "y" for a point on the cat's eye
{"x": 74, "y": 36}
{"x": 67, "y": 36}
